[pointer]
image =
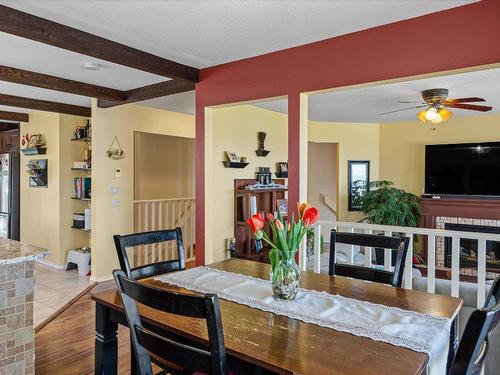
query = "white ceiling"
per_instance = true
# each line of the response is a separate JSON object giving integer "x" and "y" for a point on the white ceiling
{"x": 198, "y": 33}
{"x": 365, "y": 104}
{"x": 202, "y": 33}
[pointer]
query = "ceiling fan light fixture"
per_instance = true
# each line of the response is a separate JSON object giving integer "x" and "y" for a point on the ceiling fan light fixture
{"x": 421, "y": 116}
{"x": 431, "y": 113}
{"x": 438, "y": 119}
{"x": 445, "y": 114}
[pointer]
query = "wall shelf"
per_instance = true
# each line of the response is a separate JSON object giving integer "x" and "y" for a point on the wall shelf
{"x": 82, "y": 169}
{"x": 81, "y": 199}
{"x": 262, "y": 153}
{"x": 34, "y": 150}
{"x": 85, "y": 139}
{"x": 234, "y": 164}
{"x": 83, "y": 230}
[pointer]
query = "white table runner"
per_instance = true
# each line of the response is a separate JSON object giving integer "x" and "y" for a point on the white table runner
{"x": 404, "y": 328}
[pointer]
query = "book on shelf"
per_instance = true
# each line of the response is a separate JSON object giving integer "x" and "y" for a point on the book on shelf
{"x": 82, "y": 187}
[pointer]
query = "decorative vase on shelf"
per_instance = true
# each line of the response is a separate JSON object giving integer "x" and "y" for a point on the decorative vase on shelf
{"x": 285, "y": 279}
{"x": 284, "y": 238}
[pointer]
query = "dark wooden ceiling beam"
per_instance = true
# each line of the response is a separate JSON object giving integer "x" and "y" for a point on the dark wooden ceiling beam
{"x": 8, "y": 125}
{"x": 15, "y": 22}
{"x": 14, "y": 116}
{"x": 44, "y": 105}
{"x": 25, "y": 77}
{"x": 151, "y": 91}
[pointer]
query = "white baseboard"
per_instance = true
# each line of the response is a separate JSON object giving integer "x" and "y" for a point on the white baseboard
{"x": 50, "y": 264}
{"x": 101, "y": 279}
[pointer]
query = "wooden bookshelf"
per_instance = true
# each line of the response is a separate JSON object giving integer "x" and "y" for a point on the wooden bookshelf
{"x": 266, "y": 202}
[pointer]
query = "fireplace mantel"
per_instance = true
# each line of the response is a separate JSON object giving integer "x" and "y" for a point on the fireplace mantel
{"x": 488, "y": 209}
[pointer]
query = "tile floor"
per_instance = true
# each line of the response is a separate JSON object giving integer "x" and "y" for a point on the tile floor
{"x": 53, "y": 289}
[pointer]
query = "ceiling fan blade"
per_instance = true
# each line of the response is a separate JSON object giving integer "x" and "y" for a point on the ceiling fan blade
{"x": 399, "y": 110}
{"x": 408, "y": 102}
{"x": 471, "y": 107}
{"x": 465, "y": 100}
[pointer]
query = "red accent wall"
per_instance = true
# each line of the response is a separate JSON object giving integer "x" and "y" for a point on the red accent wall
{"x": 457, "y": 38}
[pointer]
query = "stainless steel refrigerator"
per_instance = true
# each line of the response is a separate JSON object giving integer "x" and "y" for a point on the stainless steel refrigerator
{"x": 9, "y": 195}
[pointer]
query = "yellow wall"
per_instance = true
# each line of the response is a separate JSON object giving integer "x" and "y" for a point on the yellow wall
{"x": 355, "y": 142}
{"x": 322, "y": 179}
{"x": 46, "y": 213}
{"x": 164, "y": 166}
{"x": 402, "y": 145}
{"x": 121, "y": 121}
{"x": 235, "y": 129}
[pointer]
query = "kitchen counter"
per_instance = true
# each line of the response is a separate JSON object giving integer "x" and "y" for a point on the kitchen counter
{"x": 16, "y": 252}
{"x": 17, "y": 285}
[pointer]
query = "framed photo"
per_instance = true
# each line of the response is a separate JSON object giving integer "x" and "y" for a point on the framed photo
{"x": 359, "y": 181}
{"x": 283, "y": 166}
{"x": 282, "y": 206}
{"x": 231, "y": 156}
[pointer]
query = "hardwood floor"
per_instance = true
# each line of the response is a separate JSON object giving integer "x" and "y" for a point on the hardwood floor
{"x": 66, "y": 345}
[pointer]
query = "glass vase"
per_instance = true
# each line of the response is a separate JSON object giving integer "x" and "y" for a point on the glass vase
{"x": 285, "y": 279}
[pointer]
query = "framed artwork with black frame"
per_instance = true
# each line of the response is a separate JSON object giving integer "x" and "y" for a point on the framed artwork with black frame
{"x": 359, "y": 181}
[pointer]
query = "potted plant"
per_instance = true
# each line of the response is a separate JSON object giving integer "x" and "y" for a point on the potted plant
{"x": 386, "y": 204}
{"x": 285, "y": 238}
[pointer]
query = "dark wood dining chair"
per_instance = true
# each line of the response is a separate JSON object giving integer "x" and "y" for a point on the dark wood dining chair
{"x": 494, "y": 294}
{"x": 473, "y": 348}
{"x": 148, "y": 238}
{"x": 394, "y": 278}
{"x": 210, "y": 360}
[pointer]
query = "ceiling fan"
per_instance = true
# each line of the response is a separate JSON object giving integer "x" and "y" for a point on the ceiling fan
{"x": 436, "y": 103}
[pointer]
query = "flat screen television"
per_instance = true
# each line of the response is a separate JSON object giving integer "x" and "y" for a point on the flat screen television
{"x": 471, "y": 169}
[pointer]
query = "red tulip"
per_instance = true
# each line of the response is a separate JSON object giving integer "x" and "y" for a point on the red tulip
{"x": 256, "y": 222}
{"x": 270, "y": 217}
{"x": 311, "y": 215}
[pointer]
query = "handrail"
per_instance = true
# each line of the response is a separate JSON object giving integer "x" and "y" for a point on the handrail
{"x": 430, "y": 250}
{"x": 415, "y": 230}
{"x": 162, "y": 200}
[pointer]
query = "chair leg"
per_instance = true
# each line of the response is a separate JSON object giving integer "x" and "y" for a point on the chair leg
{"x": 133, "y": 362}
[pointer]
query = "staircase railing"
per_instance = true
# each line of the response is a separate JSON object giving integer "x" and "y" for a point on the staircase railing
{"x": 431, "y": 240}
{"x": 157, "y": 214}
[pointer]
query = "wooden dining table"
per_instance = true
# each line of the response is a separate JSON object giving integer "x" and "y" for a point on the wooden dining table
{"x": 279, "y": 344}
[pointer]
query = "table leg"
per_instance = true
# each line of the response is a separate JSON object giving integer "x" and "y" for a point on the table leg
{"x": 453, "y": 343}
{"x": 106, "y": 344}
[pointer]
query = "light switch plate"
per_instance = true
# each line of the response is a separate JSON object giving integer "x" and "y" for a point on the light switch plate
{"x": 117, "y": 172}
{"x": 115, "y": 203}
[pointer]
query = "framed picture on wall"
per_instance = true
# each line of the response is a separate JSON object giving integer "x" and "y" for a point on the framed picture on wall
{"x": 231, "y": 156}
{"x": 282, "y": 206}
{"x": 359, "y": 181}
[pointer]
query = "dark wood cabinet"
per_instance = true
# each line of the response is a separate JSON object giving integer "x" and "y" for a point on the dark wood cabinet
{"x": 9, "y": 140}
{"x": 265, "y": 201}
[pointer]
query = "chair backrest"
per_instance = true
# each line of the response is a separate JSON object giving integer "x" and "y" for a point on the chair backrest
{"x": 366, "y": 273}
{"x": 494, "y": 295}
{"x": 147, "y": 238}
{"x": 144, "y": 341}
{"x": 473, "y": 347}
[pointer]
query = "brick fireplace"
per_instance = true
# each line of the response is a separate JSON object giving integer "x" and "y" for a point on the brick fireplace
{"x": 474, "y": 215}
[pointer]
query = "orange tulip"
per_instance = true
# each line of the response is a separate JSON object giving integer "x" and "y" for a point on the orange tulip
{"x": 301, "y": 208}
{"x": 270, "y": 217}
{"x": 279, "y": 224}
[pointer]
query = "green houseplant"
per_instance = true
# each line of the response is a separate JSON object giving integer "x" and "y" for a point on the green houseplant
{"x": 388, "y": 205}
